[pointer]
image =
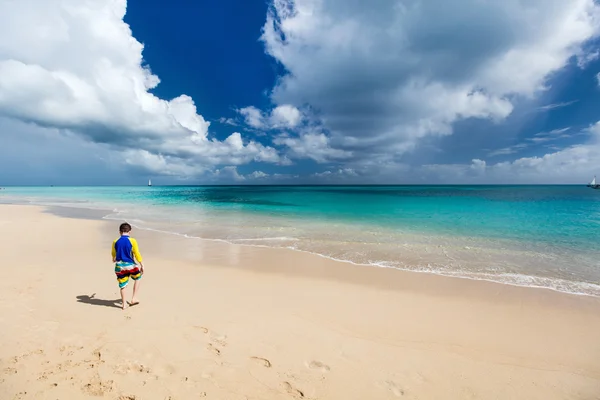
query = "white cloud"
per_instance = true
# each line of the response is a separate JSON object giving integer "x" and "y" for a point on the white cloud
{"x": 540, "y": 137}
{"x": 157, "y": 164}
{"x": 384, "y": 75}
{"x": 285, "y": 116}
{"x": 258, "y": 175}
{"x": 552, "y": 135}
{"x": 593, "y": 130}
{"x": 75, "y": 65}
{"x": 281, "y": 117}
{"x": 598, "y": 78}
{"x": 556, "y": 105}
{"x": 312, "y": 145}
{"x": 584, "y": 59}
{"x": 229, "y": 173}
{"x": 508, "y": 150}
{"x": 253, "y": 117}
{"x": 335, "y": 175}
{"x": 227, "y": 121}
{"x": 573, "y": 164}
{"x": 554, "y": 132}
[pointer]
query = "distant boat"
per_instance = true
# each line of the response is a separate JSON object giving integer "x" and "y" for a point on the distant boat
{"x": 593, "y": 184}
{"x": 150, "y": 182}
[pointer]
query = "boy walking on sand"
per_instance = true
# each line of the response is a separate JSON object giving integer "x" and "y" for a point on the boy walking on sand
{"x": 125, "y": 252}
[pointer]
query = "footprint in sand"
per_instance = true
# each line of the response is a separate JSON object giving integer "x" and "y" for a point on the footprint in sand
{"x": 262, "y": 361}
{"x": 292, "y": 390}
{"x": 16, "y": 359}
{"x": 212, "y": 348}
{"x": 318, "y": 366}
{"x": 394, "y": 388}
{"x": 69, "y": 350}
{"x": 98, "y": 387}
{"x": 97, "y": 354}
{"x": 143, "y": 369}
{"x": 215, "y": 338}
{"x": 123, "y": 369}
{"x": 10, "y": 371}
{"x": 201, "y": 328}
{"x": 221, "y": 340}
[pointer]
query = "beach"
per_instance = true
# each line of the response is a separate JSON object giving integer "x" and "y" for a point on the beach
{"x": 226, "y": 321}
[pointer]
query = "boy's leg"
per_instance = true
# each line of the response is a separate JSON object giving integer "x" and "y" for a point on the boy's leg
{"x": 123, "y": 302}
{"x": 136, "y": 285}
{"x": 123, "y": 280}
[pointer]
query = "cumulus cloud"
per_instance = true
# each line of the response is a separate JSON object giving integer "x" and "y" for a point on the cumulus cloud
{"x": 229, "y": 173}
{"x": 573, "y": 164}
{"x": 285, "y": 116}
{"x": 258, "y": 175}
{"x": 281, "y": 117}
{"x": 570, "y": 164}
{"x": 75, "y": 66}
{"x": 253, "y": 117}
{"x": 384, "y": 75}
{"x": 312, "y": 145}
{"x": 337, "y": 174}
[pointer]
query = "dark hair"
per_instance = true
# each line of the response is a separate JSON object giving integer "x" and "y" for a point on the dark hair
{"x": 125, "y": 227}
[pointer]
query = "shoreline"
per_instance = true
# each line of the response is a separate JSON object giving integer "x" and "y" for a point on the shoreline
{"x": 102, "y": 214}
{"x": 218, "y": 320}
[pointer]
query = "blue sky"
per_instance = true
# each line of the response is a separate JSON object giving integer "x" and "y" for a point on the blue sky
{"x": 299, "y": 91}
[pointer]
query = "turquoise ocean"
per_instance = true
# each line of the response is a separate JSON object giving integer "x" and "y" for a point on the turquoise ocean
{"x": 538, "y": 236}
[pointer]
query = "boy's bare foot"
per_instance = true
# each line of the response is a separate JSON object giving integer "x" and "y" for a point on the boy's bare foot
{"x": 134, "y": 302}
{"x": 124, "y": 306}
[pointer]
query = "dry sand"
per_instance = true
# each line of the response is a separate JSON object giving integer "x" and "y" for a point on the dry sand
{"x": 219, "y": 321}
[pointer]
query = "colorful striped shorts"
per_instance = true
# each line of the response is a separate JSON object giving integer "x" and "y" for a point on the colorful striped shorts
{"x": 124, "y": 271}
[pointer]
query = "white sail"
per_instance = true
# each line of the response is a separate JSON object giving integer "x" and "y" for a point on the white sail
{"x": 149, "y": 182}
{"x": 593, "y": 182}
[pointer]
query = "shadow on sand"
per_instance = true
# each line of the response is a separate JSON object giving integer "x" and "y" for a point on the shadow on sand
{"x": 98, "y": 302}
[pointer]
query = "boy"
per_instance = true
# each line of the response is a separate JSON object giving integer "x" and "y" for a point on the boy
{"x": 125, "y": 252}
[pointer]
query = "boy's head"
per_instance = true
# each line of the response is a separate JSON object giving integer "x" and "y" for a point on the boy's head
{"x": 124, "y": 228}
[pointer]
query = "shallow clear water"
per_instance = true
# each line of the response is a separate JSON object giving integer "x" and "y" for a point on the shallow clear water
{"x": 527, "y": 235}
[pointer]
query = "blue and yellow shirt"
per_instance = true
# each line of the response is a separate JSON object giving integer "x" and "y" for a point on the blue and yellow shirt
{"x": 125, "y": 249}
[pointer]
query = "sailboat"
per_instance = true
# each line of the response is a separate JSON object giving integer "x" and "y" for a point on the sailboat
{"x": 593, "y": 184}
{"x": 149, "y": 182}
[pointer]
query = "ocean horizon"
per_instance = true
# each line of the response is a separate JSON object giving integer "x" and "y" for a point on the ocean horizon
{"x": 527, "y": 235}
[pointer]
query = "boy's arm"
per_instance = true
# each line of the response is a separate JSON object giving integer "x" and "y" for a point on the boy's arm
{"x": 136, "y": 251}
{"x": 113, "y": 251}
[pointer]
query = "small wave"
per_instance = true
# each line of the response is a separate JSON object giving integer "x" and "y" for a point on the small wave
{"x": 513, "y": 279}
{"x": 276, "y": 238}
